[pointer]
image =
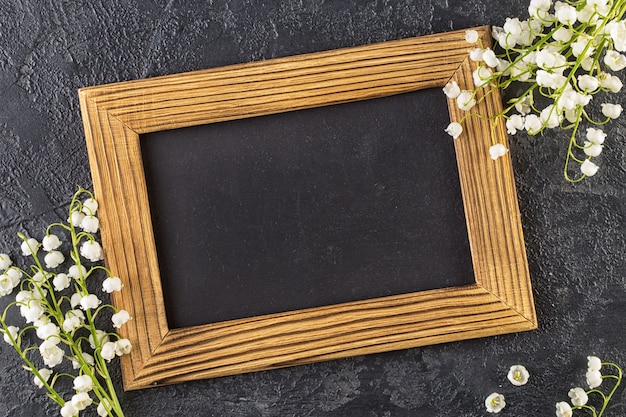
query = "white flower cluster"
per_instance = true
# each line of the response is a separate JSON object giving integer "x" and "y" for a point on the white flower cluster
{"x": 58, "y": 306}
{"x": 580, "y": 398}
{"x": 567, "y": 52}
{"x": 518, "y": 375}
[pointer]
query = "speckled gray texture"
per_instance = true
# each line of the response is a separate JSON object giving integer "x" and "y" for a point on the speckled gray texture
{"x": 574, "y": 233}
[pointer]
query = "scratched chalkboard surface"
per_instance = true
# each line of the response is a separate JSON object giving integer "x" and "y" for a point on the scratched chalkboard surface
{"x": 307, "y": 208}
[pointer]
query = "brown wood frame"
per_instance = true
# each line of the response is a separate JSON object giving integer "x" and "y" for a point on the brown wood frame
{"x": 115, "y": 115}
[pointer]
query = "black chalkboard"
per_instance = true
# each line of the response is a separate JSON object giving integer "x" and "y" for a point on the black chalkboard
{"x": 306, "y": 208}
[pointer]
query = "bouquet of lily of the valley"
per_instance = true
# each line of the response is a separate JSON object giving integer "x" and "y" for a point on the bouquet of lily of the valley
{"x": 559, "y": 59}
{"x": 53, "y": 295}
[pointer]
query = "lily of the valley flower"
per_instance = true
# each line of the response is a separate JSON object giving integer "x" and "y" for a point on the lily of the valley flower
{"x": 92, "y": 251}
{"x": 611, "y": 111}
{"x": 589, "y": 168}
{"x": 518, "y": 375}
{"x": 29, "y": 247}
{"x": 5, "y": 261}
{"x": 497, "y": 150}
{"x": 563, "y": 409}
{"x": 45, "y": 374}
{"x": 53, "y": 259}
{"x": 578, "y": 396}
{"x": 50, "y": 242}
{"x": 120, "y": 318}
{"x": 454, "y": 129}
{"x": 495, "y": 403}
{"x": 83, "y": 383}
{"x": 112, "y": 284}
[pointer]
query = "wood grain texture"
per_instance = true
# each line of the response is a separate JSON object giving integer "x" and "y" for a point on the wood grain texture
{"x": 115, "y": 115}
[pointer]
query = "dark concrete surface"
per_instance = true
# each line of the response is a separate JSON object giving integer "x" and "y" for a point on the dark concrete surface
{"x": 574, "y": 233}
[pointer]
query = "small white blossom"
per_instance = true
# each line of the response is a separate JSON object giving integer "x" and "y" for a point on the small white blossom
{"x": 6, "y": 285}
{"x": 50, "y": 242}
{"x": 90, "y": 224}
{"x": 610, "y": 82}
{"x": 587, "y": 63}
{"x": 73, "y": 320}
{"x": 539, "y": 8}
{"x": 454, "y": 129}
{"x": 578, "y": 396}
{"x": 582, "y": 48}
{"x": 102, "y": 338}
{"x": 48, "y": 331}
{"x": 89, "y": 302}
{"x": 512, "y": 26}
{"x": 53, "y": 259}
{"x": 75, "y": 299}
{"x": 76, "y": 273}
{"x": 481, "y": 76}
{"x": 614, "y": 60}
{"x": 565, "y": 13}
{"x": 465, "y": 100}
{"x": 550, "y": 80}
{"x": 618, "y": 34}
{"x": 5, "y": 261}
{"x": 551, "y": 61}
{"x": 532, "y": 124}
{"x": 112, "y": 284}
{"x": 29, "y": 246}
{"x": 589, "y": 168}
{"x": 122, "y": 347}
{"x": 514, "y": 123}
{"x": 471, "y": 36}
{"x": 81, "y": 400}
{"x": 51, "y": 354}
{"x": 91, "y": 250}
{"x": 523, "y": 106}
{"x": 31, "y": 311}
{"x": 76, "y": 218}
{"x": 495, "y": 403}
{"x": 15, "y": 275}
{"x": 108, "y": 351}
{"x": 40, "y": 277}
{"x": 61, "y": 282}
{"x": 563, "y": 409}
{"x": 452, "y": 90}
{"x": 68, "y": 410}
{"x": 562, "y": 35}
{"x": 594, "y": 378}
{"x": 86, "y": 357}
{"x": 594, "y": 363}
{"x": 497, "y": 150}
{"x": 83, "y": 383}
{"x": 592, "y": 149}
{"x": 476, "y": 54}
{"x": 120, "y": 318}
{"x": 611, "y": 110}
{"x": 12, "y": 331}
{"x": 45, "y": 374}
{"x": 595, "y": 135}
{"x": 90, "y": 206}
{"x": 587, "y": 82}
{"x": 490, "y": 58}
{"x": 550, "y": 117}
{"x": 103, "y": 408}
{"x": 518, "y": 375}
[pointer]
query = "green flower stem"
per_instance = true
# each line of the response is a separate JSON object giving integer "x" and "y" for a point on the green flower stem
{"x": 52, "y": 393}
{"x": 109, "y": 394}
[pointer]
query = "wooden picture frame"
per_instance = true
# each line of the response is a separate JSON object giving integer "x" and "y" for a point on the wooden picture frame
{"x": 500, "y": 301}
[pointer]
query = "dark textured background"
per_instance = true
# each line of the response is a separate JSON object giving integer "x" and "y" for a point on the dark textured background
{"x": 574, "y": 233}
